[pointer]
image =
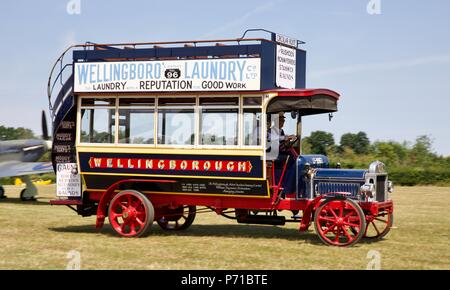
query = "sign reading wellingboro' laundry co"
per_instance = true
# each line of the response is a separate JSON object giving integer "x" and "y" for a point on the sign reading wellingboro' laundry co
{"x": 171, "y": 75}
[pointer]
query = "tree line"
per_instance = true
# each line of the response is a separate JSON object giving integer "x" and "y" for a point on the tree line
{"x": 11, "y": 133}
{"x": 407, "y": 163}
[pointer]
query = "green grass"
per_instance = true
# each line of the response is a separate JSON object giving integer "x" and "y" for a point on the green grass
{"x": 39, "y": 236}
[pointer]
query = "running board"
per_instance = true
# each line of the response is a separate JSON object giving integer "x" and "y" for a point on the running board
{"x": 66, "y": 202}
{"x": 262, "y": 220}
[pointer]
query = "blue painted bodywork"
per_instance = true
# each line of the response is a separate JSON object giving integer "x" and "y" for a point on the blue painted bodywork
{"x": 325, "y": 179}
{"x": 315, "y": 161}
{"x": 339, "y": 180}
{"x": 331, "y": 173}
{"x": 293, "y": 177}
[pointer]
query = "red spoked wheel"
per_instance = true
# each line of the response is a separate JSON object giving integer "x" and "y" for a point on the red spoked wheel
{"x": 379, "y": 226}
{"x": 130, "y": 213}
{"x": 177, "y": 219}
{"x": 339, "y": 222}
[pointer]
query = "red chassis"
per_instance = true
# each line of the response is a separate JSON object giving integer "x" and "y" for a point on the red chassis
{"x": 336, "y": 213}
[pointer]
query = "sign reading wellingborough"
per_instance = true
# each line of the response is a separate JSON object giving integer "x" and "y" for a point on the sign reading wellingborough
{"x": 171, "y": 75}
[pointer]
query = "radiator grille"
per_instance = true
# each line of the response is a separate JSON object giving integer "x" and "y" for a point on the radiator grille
{"x": 325, "y": 187}
{"x": 381, "y": 194}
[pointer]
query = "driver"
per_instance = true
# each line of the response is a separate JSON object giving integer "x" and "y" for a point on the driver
{"x": 285, "y": 158}
{"x": 277, "y": 133}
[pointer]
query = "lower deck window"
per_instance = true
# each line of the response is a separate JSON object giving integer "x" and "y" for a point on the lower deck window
{"x": 176, "y": 126}
{"x": 252, "y": 126}
{"x": 136, "y": 126}
{"x": 136, "y": 120}
{"x": 219, "y": 127}
{"x": 97, "y": 125}
{"x": 170, "y": 120}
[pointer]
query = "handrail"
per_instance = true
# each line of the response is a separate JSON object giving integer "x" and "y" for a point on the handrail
{"x": 51, "y": 86}
{"x": 268, "y": 31}
{"x": 58, "y": 76}
{"x": 134, "y": 44}
{"x": 256, "y": 29}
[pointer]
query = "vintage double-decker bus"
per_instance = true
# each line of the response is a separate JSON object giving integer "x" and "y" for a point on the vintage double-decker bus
{"x": 148, "y": 132}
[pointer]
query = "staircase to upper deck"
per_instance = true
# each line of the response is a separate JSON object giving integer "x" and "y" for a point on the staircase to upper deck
{"x": 62, "y": 106}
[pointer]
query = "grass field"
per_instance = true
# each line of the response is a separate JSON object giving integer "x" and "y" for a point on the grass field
{"x": 39, "y": 236}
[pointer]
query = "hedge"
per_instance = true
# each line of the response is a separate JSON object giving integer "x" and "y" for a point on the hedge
{"x": 420, "y": 176}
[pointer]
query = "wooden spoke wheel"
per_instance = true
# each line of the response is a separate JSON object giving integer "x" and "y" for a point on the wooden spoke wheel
{"x": 177, "y": 219}
{"x": 379, "y": 226}
{"x": 130, "y": 213}
{"x": 339, "y": 222}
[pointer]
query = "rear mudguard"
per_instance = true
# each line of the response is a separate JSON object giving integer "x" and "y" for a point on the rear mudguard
{"x": 110, "y": 192}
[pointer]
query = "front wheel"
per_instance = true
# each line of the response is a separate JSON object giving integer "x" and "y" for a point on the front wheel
{"x": 130, "y": 213}
{"x": 339, "y": 222}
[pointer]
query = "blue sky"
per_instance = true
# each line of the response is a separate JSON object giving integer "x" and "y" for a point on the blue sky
{"x": 392, "y": 70}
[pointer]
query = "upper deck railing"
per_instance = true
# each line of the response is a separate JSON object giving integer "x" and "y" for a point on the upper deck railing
{"x": 61, "y": 77}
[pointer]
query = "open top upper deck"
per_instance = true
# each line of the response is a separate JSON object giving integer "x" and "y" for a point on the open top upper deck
{"x": 273, "y": 67}
{"x": 242, "y": 64}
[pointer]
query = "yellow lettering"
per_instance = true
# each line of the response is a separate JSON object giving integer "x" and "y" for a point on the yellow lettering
{"x": 218, "y": 165}
{"x": 242, "y": 166}
{"x": 97, "y": 162}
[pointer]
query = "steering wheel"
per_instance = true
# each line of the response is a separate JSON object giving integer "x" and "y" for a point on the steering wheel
{"x": 289, "y": 143}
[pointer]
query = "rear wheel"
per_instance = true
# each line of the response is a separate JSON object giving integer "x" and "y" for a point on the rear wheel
{"x": 339, "y": 222}
{"x": 130, "y": 213}
{"x": 177, "y": 219}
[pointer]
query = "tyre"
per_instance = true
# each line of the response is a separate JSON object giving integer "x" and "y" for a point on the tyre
{"x": 130, "y": 213}
{"x": 339, "y": 222}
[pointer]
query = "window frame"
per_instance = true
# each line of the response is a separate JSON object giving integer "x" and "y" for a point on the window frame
{"x": 157, "y": 109}
{"x": 262, "y": 121}
{"x": 197, "y": 111}
{"x": 133, "y": 108}
{"x": 79, "y": 119}
{"x": 200, "y": 109}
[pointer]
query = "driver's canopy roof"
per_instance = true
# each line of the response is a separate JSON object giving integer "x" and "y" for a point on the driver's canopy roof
{"x": 291, "y": 104}
{"x": 303, "y": 101}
